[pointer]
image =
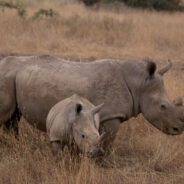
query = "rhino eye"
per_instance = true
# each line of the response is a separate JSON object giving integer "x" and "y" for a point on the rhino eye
{"x": 83, "y": 136}
{"x": 163, "y": 107}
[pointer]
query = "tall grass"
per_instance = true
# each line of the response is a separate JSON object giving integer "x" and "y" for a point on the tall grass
{"x": 142, "y": 154}
{"x": 83, "y": 33}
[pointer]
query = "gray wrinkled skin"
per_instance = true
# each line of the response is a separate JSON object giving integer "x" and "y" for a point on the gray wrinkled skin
{"x": 73, "y": 121}
{"x": 127, "y": 87}
{"x": 9, "y": 66}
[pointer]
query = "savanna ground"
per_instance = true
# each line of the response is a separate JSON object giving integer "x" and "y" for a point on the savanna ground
{"x": 143, "y": 154}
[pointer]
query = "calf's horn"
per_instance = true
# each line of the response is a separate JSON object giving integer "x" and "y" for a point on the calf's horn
{"x": 178, "y": 101}
{"x": 165, "y": 68}
{"x": 97, "y": 108}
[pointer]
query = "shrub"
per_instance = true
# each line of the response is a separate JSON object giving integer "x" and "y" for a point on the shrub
{"x": 20, "y": 11}
{"x": 90, "y": 2}
{"x": 44, "y": 12}
{"x": 156, "y": 4}
{"x": 151, "y": 4}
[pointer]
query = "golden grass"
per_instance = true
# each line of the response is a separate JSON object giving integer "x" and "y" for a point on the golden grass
{"x": 83, "y": 33}
{"x": 143, "y": 154}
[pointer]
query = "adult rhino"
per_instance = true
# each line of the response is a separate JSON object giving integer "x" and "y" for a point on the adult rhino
{"x": 127, "y": 87}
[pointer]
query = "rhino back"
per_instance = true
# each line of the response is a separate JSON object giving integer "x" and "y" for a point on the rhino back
{"x": 10, "y": 65}
{"x": 41, "y": 86}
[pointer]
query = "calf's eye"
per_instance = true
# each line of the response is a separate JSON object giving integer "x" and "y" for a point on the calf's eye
{"x": 163, "y": 107}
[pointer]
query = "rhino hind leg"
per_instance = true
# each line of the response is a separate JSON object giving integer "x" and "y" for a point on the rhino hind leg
{"x": 12, "y": 123}
{"x": 9, "y": 113}
{"x": 110, "y": 127}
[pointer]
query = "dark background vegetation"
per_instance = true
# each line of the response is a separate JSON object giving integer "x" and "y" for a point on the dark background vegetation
{"x": 151, "y": 4}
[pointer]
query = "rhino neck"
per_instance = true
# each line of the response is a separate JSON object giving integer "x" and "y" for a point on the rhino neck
{"x": 133, "y": 73}
{"x": 135, "y": 99}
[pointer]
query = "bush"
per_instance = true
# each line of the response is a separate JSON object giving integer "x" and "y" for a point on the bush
{"x": 90, "y": 2}
{"x": 20, "y": 11}
{"x": 44, "y": 12}
{"x": 49, "y": 13}
{"x": 156, "y": 4}
{"x": 151, "y": 4}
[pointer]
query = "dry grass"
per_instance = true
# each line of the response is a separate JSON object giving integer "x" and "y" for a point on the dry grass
{"x": 83, "y": 33}
{"x": 143, "y": 154}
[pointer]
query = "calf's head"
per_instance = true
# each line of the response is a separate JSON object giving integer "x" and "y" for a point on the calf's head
{"x": 157, "y": 107}
{"x": 85, "y": 130}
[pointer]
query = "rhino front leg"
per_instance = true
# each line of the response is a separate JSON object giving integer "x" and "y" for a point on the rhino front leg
{"x": 110, "y": 127}
{"x": 56, "y": 146}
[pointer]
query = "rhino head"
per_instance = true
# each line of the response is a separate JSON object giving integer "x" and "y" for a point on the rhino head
{"x": 85, "y": 132}
{"x": 165, "y": 114}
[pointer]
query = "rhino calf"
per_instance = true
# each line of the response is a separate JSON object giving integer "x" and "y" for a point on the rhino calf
{"x": 74, "y": 120}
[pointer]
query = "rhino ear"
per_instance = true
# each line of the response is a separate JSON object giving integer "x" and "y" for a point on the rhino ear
{"x": 78, "y": 109}
{"x": 151, "y": 67}
{"x": 74, "y": 111}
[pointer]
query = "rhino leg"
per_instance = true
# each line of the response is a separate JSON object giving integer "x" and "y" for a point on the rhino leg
{"x": 56, "y": 147}
{"x": 9, "y": 115}
{"x": 12, "y": 123}
{"x": 110, "y": 127}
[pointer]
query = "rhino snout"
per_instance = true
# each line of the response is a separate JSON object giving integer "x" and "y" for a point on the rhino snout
{"x": 96, "y": 153}
{"x": 174, "y": 130}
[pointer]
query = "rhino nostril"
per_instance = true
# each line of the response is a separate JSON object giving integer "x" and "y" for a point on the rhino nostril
{"x": 175, "y": 129}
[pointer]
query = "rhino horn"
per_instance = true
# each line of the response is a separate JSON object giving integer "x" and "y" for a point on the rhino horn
{"x": 165, "y": 68}
{"x": 97, "y": 108}
{"x": 178, "y": 101}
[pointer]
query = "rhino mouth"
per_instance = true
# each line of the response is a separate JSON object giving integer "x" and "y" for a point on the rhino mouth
{"x": 173, "y": 131}
{"x": 96, "y": 153}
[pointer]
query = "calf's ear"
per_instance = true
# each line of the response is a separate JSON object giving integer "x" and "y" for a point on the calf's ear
{"x": 78, "y": 109}
{"x": 74, "y": 111}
